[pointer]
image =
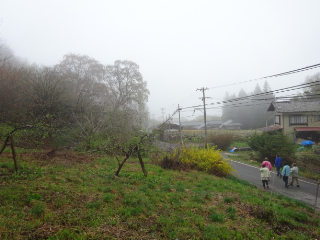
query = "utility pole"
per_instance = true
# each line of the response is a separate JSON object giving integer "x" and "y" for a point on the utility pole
{"x": 162, "y": 109}
{"x": 180, "y": 124}
{"x": 204, "y": 113}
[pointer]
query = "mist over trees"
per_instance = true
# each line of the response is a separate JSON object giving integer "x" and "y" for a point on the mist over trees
{"x": 250, "y": 111}
{"x": 312, "y": 92}
{"x": 78, "y": 102}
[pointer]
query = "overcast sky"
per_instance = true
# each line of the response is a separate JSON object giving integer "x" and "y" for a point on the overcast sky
{"x": 179, "y": 45}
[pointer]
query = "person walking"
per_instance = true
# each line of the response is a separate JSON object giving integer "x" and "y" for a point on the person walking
{"x": 267, "y": 163}
{"x": 277, "y": 164}
{"x": 265, "y": 174}
{"x": 295, "y": 174}
{"x": 286, "y": 174}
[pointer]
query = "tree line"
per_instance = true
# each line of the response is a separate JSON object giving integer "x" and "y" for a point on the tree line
{"x": 250, "y": 112}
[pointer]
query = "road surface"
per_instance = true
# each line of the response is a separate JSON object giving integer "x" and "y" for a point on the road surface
{"x": 305, "y": 193}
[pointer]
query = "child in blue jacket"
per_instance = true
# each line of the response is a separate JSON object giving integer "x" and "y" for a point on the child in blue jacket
{"x": 286, "y": 174}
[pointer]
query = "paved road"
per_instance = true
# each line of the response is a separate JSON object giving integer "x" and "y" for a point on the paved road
{"x": 306, "y": 192}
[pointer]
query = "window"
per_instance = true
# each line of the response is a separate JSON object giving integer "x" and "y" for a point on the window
{"x": 317, "y": 118}
{"x": 295, "y": 120}
{"x": 277, "y": 119}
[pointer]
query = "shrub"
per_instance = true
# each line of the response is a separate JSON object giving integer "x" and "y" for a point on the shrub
{"x": 222, "y": 141}
{"x": 209, "y": 160}
{"x": 268, "y": 145}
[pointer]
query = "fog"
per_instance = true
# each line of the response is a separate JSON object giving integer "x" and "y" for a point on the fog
{"x": 180, "y": 46}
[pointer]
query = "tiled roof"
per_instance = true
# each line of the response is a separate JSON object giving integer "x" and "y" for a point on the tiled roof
{"x": 270, "y": 128}
{"x": 191, "y": 123}
{"x": 307, "y": 129}
{"x": 295, "y": 106}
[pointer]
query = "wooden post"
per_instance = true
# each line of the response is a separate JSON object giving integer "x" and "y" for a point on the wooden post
{"x": 13, "y": 153}
{"x": 315, "y": 204}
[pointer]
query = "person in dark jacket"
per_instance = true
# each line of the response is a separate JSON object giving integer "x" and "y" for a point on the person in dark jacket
{"x": 277, "y": 164}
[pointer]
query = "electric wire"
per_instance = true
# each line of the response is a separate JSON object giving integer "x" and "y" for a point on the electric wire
{"x": 275, "y": 75}
{"x": 300, "y": 86}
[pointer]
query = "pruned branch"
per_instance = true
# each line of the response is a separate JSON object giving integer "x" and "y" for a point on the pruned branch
{"x": 9, "y": 135}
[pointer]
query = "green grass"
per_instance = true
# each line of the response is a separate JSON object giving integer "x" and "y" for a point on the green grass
{"x": 72, "y": 200}
{"x": 239, "y": 144}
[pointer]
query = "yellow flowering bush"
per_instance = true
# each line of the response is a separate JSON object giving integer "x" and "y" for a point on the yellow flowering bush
{"x": 209, "y": 160}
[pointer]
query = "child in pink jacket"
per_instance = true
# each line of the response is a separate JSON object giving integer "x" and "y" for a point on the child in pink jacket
{"x": 267, "y": 163}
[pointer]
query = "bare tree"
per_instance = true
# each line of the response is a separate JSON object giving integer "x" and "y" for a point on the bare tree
{"x": 126, "y": 85}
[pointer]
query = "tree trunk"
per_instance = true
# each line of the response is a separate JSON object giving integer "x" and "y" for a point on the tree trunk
{"x": 121, "y": 165}
{"x": 13, "y": 153}
{"x": 5, "y": 144}
{"x": 141, "y": 163}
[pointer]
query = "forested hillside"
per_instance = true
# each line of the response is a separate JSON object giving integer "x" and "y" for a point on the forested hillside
{"x": 77, "y": 102}
{"x": 251, "y": 111}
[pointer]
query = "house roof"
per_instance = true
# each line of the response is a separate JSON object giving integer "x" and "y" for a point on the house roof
{"x": 211, "y": 124}
{"x": 307, "y": 129}
{"x": 219, "y": 123}
{"x": 215, "y": 122}
{"x": 270, "y": 128}
{"x": 191, "y": 123}
{"x": 171, "y": 125}
{"x": 295, "y": 106}
{"x": 234, "y": 124}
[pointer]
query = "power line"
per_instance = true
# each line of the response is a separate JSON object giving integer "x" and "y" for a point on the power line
{"x": 275, "y": 75}
{"x": 300, "y": 86}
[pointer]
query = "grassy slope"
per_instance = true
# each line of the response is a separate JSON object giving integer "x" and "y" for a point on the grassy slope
{"x": 74, "y": 196}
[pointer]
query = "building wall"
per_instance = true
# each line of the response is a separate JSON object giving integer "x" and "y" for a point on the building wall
{"x": 288, "y": 128}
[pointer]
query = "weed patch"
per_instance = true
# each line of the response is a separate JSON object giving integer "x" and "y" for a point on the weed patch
{"x": 228, "y": 199}
{"x": 93, "y": 204}
{"x": 216, "y": 217}
{"x": 38, "y": 208}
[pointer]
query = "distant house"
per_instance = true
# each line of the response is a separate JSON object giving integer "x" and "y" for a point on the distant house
{"x": 232, "y": 126}
{"x": 171, "y": 126}
{"x": 190, "y": 125}
{"x": 211, "y": 124}
{"x": 272, "y": 128}
{"x": 298, "y": 119}
{"x": 214, "y": 124}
